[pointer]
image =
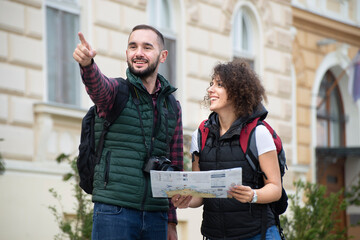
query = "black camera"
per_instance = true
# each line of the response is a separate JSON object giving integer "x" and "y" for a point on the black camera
{"x": 159, "y": 164}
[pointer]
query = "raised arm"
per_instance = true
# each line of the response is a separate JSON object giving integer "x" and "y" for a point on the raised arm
{"x": 102, "y": 90}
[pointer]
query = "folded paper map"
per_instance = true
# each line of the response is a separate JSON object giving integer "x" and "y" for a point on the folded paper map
{"x": 206, "y": 184}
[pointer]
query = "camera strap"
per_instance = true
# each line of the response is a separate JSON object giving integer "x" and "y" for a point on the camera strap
{"x": 136, "y": 101}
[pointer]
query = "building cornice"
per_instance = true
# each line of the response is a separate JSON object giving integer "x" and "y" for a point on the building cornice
{"x": 326, "y": 27}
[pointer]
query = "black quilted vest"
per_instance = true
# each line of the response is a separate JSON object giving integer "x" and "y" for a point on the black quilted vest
{"x": 229, "y": 218}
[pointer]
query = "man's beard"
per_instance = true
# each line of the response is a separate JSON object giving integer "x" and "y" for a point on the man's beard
{"x": 144, "y": 73}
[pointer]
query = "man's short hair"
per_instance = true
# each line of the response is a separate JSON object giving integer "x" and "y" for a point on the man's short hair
{"x": 148, "y": 27}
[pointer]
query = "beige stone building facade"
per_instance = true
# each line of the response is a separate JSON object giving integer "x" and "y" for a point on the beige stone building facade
{"x": 292, "y": 45}
{"x": 327, "y": 39}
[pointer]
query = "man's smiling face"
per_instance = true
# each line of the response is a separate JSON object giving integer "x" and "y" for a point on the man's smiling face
{"x": 144, "y": 53}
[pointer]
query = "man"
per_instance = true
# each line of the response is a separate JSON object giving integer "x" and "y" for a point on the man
{"x": 123, "y": 205}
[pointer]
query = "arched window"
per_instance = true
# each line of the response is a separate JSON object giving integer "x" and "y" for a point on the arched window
{"x": 243, "y": 36}
{"x": 330, "y": 116}
{"x": 161, "y": 14}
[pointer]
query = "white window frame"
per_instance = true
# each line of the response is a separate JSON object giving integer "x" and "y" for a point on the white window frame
{"x": 72, "y": 7}
{"x": 238, "y": 40}
{"x": 157, "y": 18}
{"x": 242, "y": 14}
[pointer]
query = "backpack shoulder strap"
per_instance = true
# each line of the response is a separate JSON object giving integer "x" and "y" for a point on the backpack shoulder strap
{"x": 121, "y": 99}
{"x": 174, "y": 105}
{"x": 204, "y": 131}
{"x": 246, "y": 132}
{"x": 245, "y": 142}
{"x": 277, "y": 140}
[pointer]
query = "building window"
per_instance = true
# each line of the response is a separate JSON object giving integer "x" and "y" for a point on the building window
{"x": 330, "y": 114}
{"x": 243, "y": 37}
{"x": 62, "y": 25}
{"x": 161, "y": 14}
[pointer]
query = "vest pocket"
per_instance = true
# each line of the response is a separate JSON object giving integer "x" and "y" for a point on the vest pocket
{"x": 107, "y": 168}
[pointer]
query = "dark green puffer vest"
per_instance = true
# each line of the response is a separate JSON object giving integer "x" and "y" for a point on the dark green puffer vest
{"x": 118, "y": 178}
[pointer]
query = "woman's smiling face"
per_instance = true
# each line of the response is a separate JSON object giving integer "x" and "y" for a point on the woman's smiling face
{"x": 218, "y": 96}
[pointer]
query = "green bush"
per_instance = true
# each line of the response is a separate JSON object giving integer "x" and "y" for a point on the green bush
{"x": 353, "y": 194}
{"x": 316, "y": 217}
{"x": 187, "y": 161}
{"x": 79, "y": 226}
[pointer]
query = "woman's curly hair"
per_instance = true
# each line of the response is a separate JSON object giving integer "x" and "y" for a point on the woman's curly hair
{"x": 242, "y": 85}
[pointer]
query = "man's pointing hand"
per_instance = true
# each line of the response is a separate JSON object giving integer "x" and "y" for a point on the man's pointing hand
{"x": 83, "y": 53}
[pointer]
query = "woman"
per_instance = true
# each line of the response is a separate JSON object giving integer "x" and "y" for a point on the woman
{"x": 235, "y": 95}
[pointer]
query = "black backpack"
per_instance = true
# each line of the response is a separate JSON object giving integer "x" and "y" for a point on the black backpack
{"x": 248, "y": 146}
{"x": 89, "y": 154}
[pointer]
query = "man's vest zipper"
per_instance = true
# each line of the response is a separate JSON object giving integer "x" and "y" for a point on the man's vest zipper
{"x": 107, "y": 168}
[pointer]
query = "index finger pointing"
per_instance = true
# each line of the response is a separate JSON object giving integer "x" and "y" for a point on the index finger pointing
{"x": 82, "y": 39}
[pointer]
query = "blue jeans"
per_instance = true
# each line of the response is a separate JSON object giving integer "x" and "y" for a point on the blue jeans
{"x": 118, "y": 223}
{"x": 272, "y": 233}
